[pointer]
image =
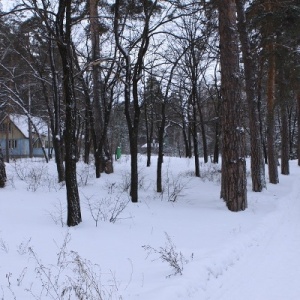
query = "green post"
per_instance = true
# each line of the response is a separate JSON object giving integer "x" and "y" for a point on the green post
{"x": 118, "y": 152}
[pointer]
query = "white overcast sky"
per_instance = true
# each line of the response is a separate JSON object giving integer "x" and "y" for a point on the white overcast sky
{"x": 7, "y": 4}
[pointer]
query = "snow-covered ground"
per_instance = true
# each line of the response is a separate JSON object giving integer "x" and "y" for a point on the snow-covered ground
{"x": 191, "y": 248}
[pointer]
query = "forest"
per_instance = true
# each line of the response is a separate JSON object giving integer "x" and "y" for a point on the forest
{"x": 217, "y": 79}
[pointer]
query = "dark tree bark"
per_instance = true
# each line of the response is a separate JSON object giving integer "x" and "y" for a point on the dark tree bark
{"x": 95, "y": 41}
{"x": 285, "y": 151}
{"x": 217, "y": 146}
{"x": 63, "y": 32}
{"x": 233, "y": 190}
{"x": 271, "y": 152}
{"x": 2, "y": 170}
{"x": 55, "y": 115}
{"x": 203, "y": 133}
{"x": 298, "y": 117}
{"x": 160, "y": 158}
{"x": 256, "y": 151}
{"x": 270, "y": 50}
{"x": 149, "y": 133}
{"x": 195, "y": 137}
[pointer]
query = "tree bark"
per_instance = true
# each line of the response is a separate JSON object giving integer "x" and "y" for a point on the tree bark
{"x": 285, "y": 151}
{"x": 233, "y": 190}
{"x": 256, "y": 151}
{"x": 2, "y": 170}
{"x": 271, "y": 152}
{"x": 298, "y": 137}
{"x": 160, "y": 158}
{"x": 95, "y": 43}
{"x": 63, "y": 28}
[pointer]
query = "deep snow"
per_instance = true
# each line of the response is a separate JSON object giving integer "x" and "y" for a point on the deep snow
{"x": 246, "y": 255}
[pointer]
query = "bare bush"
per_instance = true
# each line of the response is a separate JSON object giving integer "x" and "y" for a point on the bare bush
{"x": 58, "y": 213}
{"x": 126, "y": 181}
{"x": 23, "y": 247}
{"x": 107, "y": 209}
{"x": 173, "y": 186}
{"x": 170, "y": 255}
{"x": 84, "y": 174}
{"x": 36, "y": 176}
{"x": 4, "y": 246}
{"x": 72, "y": 277}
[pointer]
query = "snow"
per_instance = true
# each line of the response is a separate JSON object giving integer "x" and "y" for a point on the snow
{"x": 229, "y": 256}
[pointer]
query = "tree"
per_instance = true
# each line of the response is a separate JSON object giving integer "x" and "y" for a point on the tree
{"x": 233, "y": 185}
{"x": 153, "y": 98}
{"x": 256, "y": 152}
{"x": 63, "y": 25}
{"x": 133, "y": 53}
{"x": 2, "y": 170}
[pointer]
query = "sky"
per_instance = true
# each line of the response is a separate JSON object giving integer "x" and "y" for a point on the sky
{"x": 193, "y": 248}
{"x": 6, "y": 4}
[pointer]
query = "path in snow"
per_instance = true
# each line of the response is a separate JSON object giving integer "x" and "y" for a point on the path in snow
{"x": 270, "y": 270}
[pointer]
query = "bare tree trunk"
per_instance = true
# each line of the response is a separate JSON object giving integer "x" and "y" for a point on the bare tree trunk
{"x": 285, "y": 151}
{"x": 234, "y": 189}
{"x": 55, "y": 115}
{"x": 216, "y": 147}
{"x": 160, "y": 158}
{"x": 256, "y": 151}
{"x": 203, "y": 134}
{"x": 195, "y": 141}
{"x": 298, "y": 137}
{"x": 63, "y": 28}
{"x": 149, "y": 132}
{"x": 2, "y": 170}
{"x": 95, "y": 41}
{"x": 272, "y": 157}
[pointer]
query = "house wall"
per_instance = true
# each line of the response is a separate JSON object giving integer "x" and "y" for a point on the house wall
{"x": 22, "y": 149}
{"x": 14, "y": 132}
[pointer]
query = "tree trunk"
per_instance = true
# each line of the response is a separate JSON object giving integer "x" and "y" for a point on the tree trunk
{"x": 216, "y": 147}
{"x": 134, "y": 166}
{"x": 195, "y": 141}
{"x": 55, "y": 117}
{"x": 63, "y": 26}
{"x": 95, "y": 41}
{"x": 272, "y": 157}
{"x": 234, "y": 189}
{"x": 149, "y": 133}
{"x": 256, "y": 151}
{"x": 298, "y": 137}
{"x": 2, "y": 170}
{"x": 160, "y": 158}
{"x": 285, "y": 151}
{"x": 203, "y": 134}
{"x": 185, "y": 139}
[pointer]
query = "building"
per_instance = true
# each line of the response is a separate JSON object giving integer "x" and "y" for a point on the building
{"x": 15, "y": 136}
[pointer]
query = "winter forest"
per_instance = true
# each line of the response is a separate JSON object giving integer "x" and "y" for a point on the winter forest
{"x": 207, "y": 87}
{"x": 178, "y": 78}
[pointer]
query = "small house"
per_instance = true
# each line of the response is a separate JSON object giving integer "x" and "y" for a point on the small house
{"x": 19, "y": 137}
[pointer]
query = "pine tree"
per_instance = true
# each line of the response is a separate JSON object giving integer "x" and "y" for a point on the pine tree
{"x": 233, "y": 189}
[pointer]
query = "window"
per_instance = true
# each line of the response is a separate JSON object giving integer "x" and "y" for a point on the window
{"x": 12, "y": 144}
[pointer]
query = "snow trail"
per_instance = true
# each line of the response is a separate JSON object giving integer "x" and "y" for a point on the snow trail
{"x": 268, "y": 271}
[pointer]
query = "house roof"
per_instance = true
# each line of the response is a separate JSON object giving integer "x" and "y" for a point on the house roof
{"x": 21, "y": 121}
